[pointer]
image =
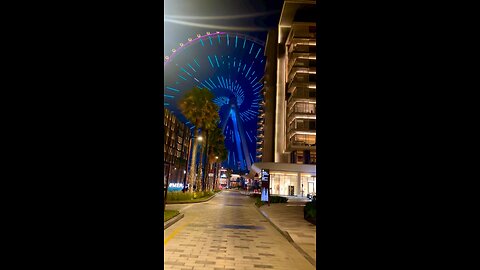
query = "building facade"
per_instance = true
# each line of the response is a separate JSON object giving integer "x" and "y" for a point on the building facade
{"x": 286, "y": 140}
{"x": 177, "y": 137}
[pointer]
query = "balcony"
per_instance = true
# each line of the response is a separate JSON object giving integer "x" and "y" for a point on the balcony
{"x": 300, "y": 59}
{"x": 300, "y": 115}
{"x": 304, "y": 94}
{"x": 301, "y": 31}
{"x": 301, "y": 130}
{"x": 301, "y": 80}
{"x": 293, "y": 146}
{"x": 306, "y": 45}
{"x": 302, "y": 70}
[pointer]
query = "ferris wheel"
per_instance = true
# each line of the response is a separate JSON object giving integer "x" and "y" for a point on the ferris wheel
{"x": 231, "y": 66}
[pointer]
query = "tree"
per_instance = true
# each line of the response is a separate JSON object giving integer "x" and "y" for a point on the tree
{"x": 209, "y": 126}
{"x": 197, "y": 106}
{"x": 217, "y": 151}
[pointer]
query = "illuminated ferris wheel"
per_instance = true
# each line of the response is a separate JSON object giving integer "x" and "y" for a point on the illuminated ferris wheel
{"x": 230, "y": 65}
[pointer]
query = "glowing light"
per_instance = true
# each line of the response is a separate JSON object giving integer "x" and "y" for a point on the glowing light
{"x": 224, "y": 17}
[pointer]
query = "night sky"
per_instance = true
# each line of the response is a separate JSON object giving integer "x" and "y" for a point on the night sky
{"x": 175, "y": 33}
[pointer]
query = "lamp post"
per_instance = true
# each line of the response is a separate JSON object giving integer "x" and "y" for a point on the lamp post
{"x": 215, "y": 173}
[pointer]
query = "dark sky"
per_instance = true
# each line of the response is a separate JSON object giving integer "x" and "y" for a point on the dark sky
{"x": 186, "y": 18}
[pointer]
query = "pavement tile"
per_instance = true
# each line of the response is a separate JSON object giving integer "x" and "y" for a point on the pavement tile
{"x": 214, "y": 247}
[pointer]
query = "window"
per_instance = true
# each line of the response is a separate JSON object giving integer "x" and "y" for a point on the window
{"x": 299, "y": 157}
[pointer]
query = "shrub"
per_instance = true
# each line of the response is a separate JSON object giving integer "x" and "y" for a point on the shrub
{"x": 278, "y": 199}
{"x": 180, "y": 196}
{"x": 310, "y": 212}
{"x": 273, "y": 199}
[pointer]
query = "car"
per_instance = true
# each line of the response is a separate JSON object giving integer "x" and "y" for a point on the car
{"x": 311, "y": 195}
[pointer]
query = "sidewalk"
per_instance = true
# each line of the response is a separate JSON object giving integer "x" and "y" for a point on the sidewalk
{"x": 288, "y": 217}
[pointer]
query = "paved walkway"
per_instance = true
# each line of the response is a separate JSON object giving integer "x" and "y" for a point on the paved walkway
{"x": 227, "y": 232}
{"x": 289, "y": 217}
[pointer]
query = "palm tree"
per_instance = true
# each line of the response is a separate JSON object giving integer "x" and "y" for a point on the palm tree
{"x": 197, "y": 106}
{"x": 210, "y": 127}
{"x": 217, "y": 151}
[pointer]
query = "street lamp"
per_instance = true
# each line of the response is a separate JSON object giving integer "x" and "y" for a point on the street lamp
{"x": 215, "y": 174}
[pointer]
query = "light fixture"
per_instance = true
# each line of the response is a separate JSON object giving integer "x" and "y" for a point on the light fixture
{"x": 200, "y": 138}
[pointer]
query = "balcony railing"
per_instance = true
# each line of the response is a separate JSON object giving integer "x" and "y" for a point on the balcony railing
{"x": 300, "y": 80}
{"x": 301, "y": 93}
{"x": 300, "y": 60}
{"x": 302, "y": 45}
{"x": 301, "y": 31}
{"x": 300, "y": 145}
{"x": 301, "y": 70}
{"x": 293, "y": 130}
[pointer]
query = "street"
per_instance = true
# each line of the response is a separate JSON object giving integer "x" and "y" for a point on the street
{"x": 227, "y": 232}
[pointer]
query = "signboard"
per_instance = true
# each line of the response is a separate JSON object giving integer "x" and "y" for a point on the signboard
{"x": 175, "y": 186}
{"x": 265, "y": 175}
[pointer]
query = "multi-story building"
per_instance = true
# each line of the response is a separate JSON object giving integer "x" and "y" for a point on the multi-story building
{"x": 177, "y": 138}
{"x": 286, "y": 140}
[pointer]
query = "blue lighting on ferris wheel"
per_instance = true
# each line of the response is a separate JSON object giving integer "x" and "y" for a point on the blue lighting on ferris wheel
{"x": 232, "y": 74}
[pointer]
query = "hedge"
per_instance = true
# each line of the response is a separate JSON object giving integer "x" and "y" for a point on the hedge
{"x": 180, "y": 196}
{"x": 310, "y": 212}
{"x": 273, "y": 199}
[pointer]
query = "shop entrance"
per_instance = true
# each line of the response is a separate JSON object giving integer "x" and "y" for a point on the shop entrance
{"x": 291, "y": 190}
{"x": 310, "y": 187}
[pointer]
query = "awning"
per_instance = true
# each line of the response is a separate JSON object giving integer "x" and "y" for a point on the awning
{"x": 282, "y": 167}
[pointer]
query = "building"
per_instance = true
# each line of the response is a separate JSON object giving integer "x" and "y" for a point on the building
{"x": 288, "y": 114}
{"x": 177, "y": 138}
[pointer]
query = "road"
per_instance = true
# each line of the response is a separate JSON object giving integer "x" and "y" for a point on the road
{"x": 227, "y": 232}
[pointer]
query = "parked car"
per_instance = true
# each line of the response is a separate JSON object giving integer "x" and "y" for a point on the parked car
{"x": 311, "y": 195}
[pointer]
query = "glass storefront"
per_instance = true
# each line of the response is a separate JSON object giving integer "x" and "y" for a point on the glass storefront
{"x": 309, "y": 184}
{"x": 284, "y": 183}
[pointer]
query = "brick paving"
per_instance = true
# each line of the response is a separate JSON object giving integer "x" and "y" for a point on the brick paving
{"x": 289, "y": 217}
{"x": 227, "y": 232}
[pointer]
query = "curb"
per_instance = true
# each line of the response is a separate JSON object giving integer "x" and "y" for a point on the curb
{"x": 172, "y": 221}
{"x": 289, "y": 238}
{"x": 185, "y": 202}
